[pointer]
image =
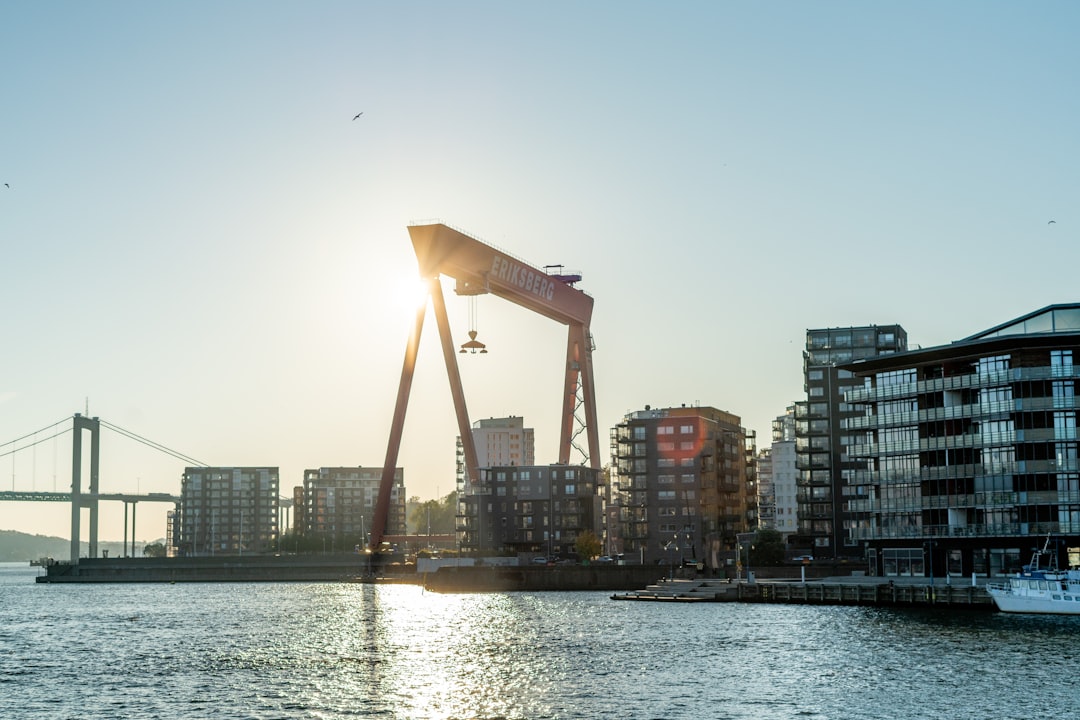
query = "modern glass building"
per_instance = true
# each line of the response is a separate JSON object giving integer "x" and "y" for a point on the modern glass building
{"x": 967, "y": 453}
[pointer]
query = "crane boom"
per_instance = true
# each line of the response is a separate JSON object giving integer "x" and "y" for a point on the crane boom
{"x": 479, "y": 268}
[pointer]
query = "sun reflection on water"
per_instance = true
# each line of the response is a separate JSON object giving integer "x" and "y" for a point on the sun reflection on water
{"x": 438, "y": 656}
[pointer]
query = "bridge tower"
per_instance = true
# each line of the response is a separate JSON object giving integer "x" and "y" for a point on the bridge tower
{"x": 78, "y": 502}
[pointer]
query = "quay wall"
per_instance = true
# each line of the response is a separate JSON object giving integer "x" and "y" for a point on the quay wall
{"x": 350, "y": 567}
{"x": 859, "y": 593}
{"x": 245, "y": 568}
{"x": 553, "y": 577}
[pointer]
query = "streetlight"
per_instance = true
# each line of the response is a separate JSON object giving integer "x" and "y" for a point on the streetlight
{"x": 671, "y": 566}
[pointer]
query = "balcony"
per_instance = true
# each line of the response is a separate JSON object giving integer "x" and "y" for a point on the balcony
{"x": 920, "y": 534}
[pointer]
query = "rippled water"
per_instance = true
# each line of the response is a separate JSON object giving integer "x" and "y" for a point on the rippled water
{"x": 296, "y": 650}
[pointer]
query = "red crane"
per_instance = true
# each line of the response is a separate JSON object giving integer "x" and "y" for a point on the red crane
{"x": 478, "y": 268}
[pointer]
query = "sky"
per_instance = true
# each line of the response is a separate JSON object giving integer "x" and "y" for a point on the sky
{"x": 200, "y": 245}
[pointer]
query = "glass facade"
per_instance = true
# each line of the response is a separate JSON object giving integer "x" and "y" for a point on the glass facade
{"x": 968, "y": 452}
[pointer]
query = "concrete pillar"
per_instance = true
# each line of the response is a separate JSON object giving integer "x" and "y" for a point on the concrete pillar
{"x": 76, "y": 487}
{"x": 95, "y": 487}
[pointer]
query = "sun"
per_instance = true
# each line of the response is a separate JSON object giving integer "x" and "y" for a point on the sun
{"x": 409, "y": 295}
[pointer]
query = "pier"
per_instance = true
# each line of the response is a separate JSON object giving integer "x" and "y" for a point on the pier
{"x": 872, "y": 591}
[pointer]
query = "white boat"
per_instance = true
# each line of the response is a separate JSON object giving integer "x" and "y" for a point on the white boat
{"x": 1038, "y": 589}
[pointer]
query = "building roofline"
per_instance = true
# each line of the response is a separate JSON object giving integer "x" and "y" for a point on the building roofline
{"x": 1021, "y": 319}
{"x": 961, "y": 349}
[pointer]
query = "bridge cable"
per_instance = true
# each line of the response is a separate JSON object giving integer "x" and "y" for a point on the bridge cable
{"x": 150, "y": 443}
{"x": 36, "y": 442}
{"x": 50, "y": 427}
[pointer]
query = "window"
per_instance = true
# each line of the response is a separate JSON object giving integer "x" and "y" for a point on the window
{"x": 896, "y": 377}
{"x": 665, "y": 479}
{"x": 996, "y": 459}
{"x": 570, "y": 489}
{"x": 665, "y": 430}
{"x": 1061, "y": 362}
{"x": 686, "y": 429}
{"x": 993, "y": 365}
{"x": 666, "y": 495}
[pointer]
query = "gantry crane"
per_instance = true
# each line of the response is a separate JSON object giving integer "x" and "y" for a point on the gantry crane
{"x": 478, "y": 268}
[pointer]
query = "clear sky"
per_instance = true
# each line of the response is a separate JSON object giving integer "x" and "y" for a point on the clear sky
{"x": 202, "y": 246}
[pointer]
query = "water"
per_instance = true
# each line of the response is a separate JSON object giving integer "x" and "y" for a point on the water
{"x": 298, "y": 650}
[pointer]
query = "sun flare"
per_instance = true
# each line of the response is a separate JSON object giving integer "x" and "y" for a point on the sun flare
{"x": 410, "y": 294}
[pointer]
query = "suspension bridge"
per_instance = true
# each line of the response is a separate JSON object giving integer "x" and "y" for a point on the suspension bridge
{"x": 87, "y": 495}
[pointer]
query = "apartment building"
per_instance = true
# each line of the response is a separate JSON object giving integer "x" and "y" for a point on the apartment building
{"x": 967, "y": 453}
{"x": 785, "y": 475}
{"x": 226, "y": 511}
{"x": 824, "y": 465}
{"x": 684, "y": 482}
{"x": 537, "y": 509}
{"x": 500, "y": 442}
{"x": 338, "y": 505}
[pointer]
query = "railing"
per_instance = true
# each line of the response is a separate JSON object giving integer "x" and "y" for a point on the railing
{"x": 993, "y": 378}
{"x": 933, "y": 532}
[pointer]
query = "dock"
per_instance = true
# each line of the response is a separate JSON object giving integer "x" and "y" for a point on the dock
{"x": 829, "y": 591}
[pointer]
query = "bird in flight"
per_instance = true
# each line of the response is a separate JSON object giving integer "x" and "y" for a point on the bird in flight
{"x": 357, "y": 115}
{"x": 6, "y": 185}
{"x": 1052, "y": 222}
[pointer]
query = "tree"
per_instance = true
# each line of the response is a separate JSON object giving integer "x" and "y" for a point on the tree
{"x": 154, "y": 550}
{"x": 587, "y": 545}
{"x": 441, "y": 514}
{"x": 768, "y": 549}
